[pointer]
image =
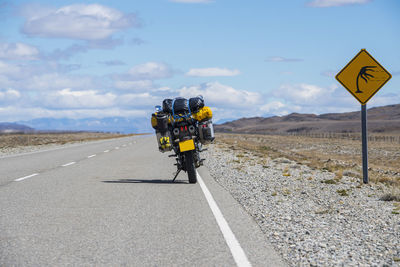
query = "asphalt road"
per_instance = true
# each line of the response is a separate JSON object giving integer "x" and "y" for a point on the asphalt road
{"x": 111, "y": 203}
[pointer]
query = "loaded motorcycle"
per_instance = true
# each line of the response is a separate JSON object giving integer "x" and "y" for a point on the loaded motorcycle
{"x": 184, "y": 126}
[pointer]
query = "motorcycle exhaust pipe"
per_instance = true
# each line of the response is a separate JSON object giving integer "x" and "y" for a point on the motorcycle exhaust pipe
{"x": 175, "y": 131}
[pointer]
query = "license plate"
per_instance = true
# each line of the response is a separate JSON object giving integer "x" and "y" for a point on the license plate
{"x": 186, "y": 145}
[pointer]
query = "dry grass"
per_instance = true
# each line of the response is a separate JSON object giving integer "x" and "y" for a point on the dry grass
{"x": 339, "y": 156}
{"x": 343, "y": 192}
{"x": 19, "y": 140}
{"x": 390, "y": 197}
{"x": 339, "y": 174}
{"x": 394, "y": 195}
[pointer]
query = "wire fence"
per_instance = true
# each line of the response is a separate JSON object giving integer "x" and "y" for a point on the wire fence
{"x": 372, "y": 137}
{"x": 349, "y": 136}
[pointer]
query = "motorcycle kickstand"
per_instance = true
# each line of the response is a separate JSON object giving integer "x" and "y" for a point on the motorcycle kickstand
{"x": 176, "y": 175}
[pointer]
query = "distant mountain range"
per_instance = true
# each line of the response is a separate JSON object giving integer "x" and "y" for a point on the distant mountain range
{"x": 380, "y": 119}
{"x": 110, "y": 124}
{"x": 384, "y": 119}
{"x": 9, "y": 127}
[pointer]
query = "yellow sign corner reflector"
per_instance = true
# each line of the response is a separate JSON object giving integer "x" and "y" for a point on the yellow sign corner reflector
{"x": 186, "y": 145}
{"x": 363, "y": 76}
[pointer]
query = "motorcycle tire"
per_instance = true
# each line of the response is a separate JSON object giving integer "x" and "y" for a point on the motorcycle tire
{"x": 190, "y": 169}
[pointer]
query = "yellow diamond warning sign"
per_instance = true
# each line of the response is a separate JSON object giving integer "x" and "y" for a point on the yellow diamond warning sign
{"x": 363, "y": 76}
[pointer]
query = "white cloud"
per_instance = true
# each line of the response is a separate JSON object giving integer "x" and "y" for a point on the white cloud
{"x": 274, "y": 107}
{"x": 329, "y": 73}
{"x": 8, "y": 69}
{"x": 26, "y": 70}
{"x": 384, "y": 99}
{"x": 222, "y": 95}
{"x": 52, "y": 81}
{"x": 192, "y": 1}
{"x": 333, "y": 3}
{"x": 212, "y": 72}
{"x": 9, "y": 95}
{"x": 140, "y": 100}
{"x": 309, "y": 98}
{"x": 163, "y": 89}
{"x": 46, "y": 76}
{"x": 112, "y": 62}
{"x": 14, "y": 113}
{"x": 67, "y": 98}
{"x": 134, "y": 85}
{"x": 151, "y": 71}
{"x": 282, "y": 59}
{"x": 78, "y": 21}
{"x": 18, "y": 51}
{"x": 305, "y": 94}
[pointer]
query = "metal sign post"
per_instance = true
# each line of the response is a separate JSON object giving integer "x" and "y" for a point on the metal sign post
{"x": 363, "y": 76}
{"x": 364, "y": 138}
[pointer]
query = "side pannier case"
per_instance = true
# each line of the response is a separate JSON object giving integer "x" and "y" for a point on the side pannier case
{"x": 162, "y": 132}
{"x": 206, "y": 132}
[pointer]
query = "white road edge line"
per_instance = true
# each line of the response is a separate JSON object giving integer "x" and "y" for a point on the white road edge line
{"x": 237, "y": 252}
{"x": 91, "y": 156}
{"x": 106, "y": 151}
{"x": 117, "y": 147}
{"x": 69, "y": 163}
{"x": 26, "y": 177}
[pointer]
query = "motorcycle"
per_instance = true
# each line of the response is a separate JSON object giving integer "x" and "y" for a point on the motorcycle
{"x": 185, "y": 136}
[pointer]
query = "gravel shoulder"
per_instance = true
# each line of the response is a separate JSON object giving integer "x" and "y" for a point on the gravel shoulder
{"x": 311, "y": 217}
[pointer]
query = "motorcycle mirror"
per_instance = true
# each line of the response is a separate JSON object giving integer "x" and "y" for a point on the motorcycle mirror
{"x": 158, "y": 108}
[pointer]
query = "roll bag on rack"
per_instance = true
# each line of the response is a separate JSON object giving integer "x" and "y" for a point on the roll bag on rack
{"x": 203, "y": 114}
{"x": 182, "y": 105}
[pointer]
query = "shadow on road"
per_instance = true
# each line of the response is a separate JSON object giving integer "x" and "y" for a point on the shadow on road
{"x": 145, "y": 181}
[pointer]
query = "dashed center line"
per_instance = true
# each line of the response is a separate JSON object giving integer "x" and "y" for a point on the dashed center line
{"x": 26, "y": 177}
{"x": 69, "y": 163}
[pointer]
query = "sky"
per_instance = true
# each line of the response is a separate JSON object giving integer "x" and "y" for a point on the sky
{"x": 80, "y": 59}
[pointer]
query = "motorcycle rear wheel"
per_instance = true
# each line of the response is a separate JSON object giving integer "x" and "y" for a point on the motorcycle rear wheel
{"x": 190, "y": 169}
